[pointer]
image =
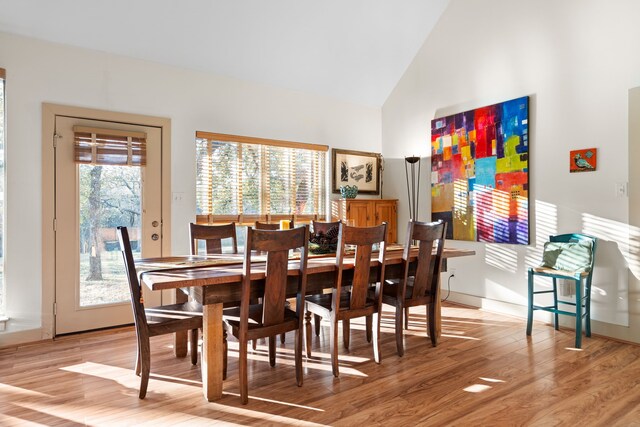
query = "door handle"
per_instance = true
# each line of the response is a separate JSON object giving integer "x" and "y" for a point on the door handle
{"x": 155, "y": 236}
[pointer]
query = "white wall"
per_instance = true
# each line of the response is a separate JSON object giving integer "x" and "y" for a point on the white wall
{"x": 40, "y": 72}
{"x": 576, "y": 60}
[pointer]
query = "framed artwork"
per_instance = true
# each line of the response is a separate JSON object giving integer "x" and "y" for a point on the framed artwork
{"x": 480, "y": 173}
{"x": 355, "y": 168}
{"x": 584, "y": 160}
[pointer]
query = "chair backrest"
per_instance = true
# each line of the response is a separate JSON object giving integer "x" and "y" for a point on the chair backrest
{"x": 323, "y": 227}
{"x": 137, "y": 303}
{"x": 212, "y": 235}
{"x": 430, "y": 240}
{"x": 266, "y": 225}
{"x": 276, "y": 245}
{"x": 578, "y": 237}
{"x": 272, "y": 225}
{"x": 363, "y": 238}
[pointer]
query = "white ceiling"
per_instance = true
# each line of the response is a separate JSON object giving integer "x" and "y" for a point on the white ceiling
{"x": 354, "y": 50}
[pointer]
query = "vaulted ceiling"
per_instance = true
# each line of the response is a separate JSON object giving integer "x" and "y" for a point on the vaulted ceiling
{"x": 353, "y": 50}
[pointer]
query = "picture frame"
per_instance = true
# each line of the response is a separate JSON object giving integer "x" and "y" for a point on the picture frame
{"x": 358, "y": 168}
{"x": 583, "y": 160}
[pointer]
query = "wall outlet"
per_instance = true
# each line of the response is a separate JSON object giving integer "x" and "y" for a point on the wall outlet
{"x": 451, "y": 271}
{"x": 621, "y": 189}
{"x": 178, "y": 198}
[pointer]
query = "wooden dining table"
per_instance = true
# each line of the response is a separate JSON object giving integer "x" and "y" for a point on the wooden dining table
{"x": 213, "y": 280}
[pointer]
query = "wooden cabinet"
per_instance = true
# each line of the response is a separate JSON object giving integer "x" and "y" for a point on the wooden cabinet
{"x": 367, "y": 213}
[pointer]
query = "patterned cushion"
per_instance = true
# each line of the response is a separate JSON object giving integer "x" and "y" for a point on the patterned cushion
{"x": 568, "y": 256}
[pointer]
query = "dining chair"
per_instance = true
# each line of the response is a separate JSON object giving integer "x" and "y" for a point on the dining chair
{"x": 212, "y": 236}
{"x": 272, "y": 226}
{"x": 420, "y": 283}
{"x": 324, "y": 227}
{"x": 329, "y": 230}
{"x": 271, "y": 316}
{"x": 569, "y": 257}
{"x": 259, "y": 225}
{"x": 356, "y": 301}
{"x": 150, "y": 322}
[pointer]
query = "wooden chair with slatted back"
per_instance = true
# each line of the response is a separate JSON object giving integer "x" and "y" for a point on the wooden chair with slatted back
{"x": 213, "y": 236}
{"x": 270, "y": 317}
{"x": 570, "y": 257}
{"x": 271, "y": 226}
{"x": 266, "y": 225}
{"x": 423, "y": 286}
{"x": 155, "y": 321}
{"x": 355, "y": 302}
{"x": 324, "y": 228}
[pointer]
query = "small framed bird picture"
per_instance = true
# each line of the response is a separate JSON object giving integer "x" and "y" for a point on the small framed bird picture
{"x": 584, "y": 160}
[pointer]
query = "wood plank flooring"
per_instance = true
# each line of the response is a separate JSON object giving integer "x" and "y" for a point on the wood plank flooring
{"x": 484, "y": 372}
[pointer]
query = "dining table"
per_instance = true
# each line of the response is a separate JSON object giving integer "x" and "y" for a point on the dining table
{"x": 214, "y": 280}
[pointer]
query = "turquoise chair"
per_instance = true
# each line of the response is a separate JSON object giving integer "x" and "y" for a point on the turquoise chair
{"x": 568, "y": 257}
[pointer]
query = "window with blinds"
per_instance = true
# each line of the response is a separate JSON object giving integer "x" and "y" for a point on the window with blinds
{"x": 109, "y": 147}
{"x": 246, "y": 179}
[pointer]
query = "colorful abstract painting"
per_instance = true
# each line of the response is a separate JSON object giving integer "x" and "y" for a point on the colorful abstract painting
{"x": 480, "y": 173}
{"x": 583, "y": 160}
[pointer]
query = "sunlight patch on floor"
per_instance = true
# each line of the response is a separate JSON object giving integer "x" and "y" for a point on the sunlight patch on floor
{"x": 262, "y": 416}
{"x": 19, "y": 392}
{"x": 262, "y": 399}
{"x": 477, "y": 388}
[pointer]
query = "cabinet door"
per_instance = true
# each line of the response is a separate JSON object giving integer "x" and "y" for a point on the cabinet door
{"x": 359, "y": 212}
{"x": 385, "y": 211}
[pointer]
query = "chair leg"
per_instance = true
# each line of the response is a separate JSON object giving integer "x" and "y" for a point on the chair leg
{"x": 346, "y": 332}
{"x": 587, "y": 307}
{"x": 556, "y": 320}
{"x": 333, "y": 346}
{"x": 194, "y": 346}
{"x": 298, "y": 352}
{"x": 145, "y": 367}
{"x": 316, "y": 322}
{"x": 138, "y": 361}
{"x": 578, "y": 313}
{"x": 431, "y": 323}
{"x": 282, "y": 337}
{"x": 272, "y": 351}
{"x": 242, "y": 372}
{"x": 377, "y": 355}
{"x": 368, "y": 322}
{"x": 307, "y": 334}
{"x": 530, "y": 308}
{"x": 406, "y": 317}
{"x": 399, "y": 331}
{"x": 254, "y": 345}
{"x": 225, "y": 349}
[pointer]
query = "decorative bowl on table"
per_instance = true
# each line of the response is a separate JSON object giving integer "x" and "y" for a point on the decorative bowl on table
{"x": 349, "y": 191}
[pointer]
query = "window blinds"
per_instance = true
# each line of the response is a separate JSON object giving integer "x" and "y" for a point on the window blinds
{"x": 109, "y": 147}
{"x": 243, "y": 176}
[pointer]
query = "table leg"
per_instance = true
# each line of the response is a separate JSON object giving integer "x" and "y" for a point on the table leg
{"x": 180, "y": 338}
{"x": 212, "y": 348}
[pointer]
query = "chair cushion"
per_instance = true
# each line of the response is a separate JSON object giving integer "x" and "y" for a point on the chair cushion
{"x": 568, "y": 256}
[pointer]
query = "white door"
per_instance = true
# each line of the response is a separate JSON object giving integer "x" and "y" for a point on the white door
{"x": 91, "y": 200}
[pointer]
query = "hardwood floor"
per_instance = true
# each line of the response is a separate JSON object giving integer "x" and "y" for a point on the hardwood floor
{"x": 484, "y": 372}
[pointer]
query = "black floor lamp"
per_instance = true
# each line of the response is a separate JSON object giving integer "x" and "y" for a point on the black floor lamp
{"x": 413, "y": 186}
